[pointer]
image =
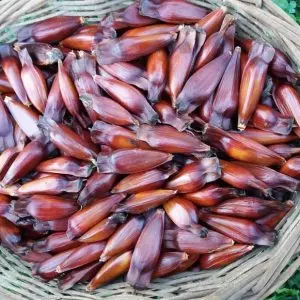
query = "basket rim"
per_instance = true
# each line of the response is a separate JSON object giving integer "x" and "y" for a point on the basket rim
{"x": 252, "y": 17}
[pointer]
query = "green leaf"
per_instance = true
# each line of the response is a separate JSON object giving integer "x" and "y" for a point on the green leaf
{"x": 292, "y": 7}
{"x": 286, "y": 294}
{"x": 290, "y": 290}
{"x": 294, "y": 281}
{"x": 282, "y": 3}
{"x": 291, "y": 10}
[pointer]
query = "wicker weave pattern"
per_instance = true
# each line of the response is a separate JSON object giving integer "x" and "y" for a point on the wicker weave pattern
{"x": 255, "y": 18}
{"x": 253, "y": 277}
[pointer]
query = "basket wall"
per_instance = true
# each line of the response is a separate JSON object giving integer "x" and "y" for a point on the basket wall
{"x": 253, "y": 277}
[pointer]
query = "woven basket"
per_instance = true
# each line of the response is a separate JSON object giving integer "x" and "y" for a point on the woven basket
{"x": 253, "y": 277}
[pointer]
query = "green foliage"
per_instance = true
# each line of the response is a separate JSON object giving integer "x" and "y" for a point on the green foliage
{"x": 290, "y": 290}
{"x": 292, "y": 7}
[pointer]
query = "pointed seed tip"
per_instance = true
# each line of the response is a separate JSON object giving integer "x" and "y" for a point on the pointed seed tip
{"x": 160, "y": 211}
{"x": 241, "y": 126}
{"x": 7, "y": 99}
{"x": 103, "y": 259}
{"x": 17, "y": 47}
{"x": 70, "y": 235}
{"x": 174, "y": 35}
{"x": 58, "y": 269}
{"x": 89, "y": 288}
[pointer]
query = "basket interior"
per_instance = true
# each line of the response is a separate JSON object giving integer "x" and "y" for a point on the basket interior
{"x": 254, "y": 276}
